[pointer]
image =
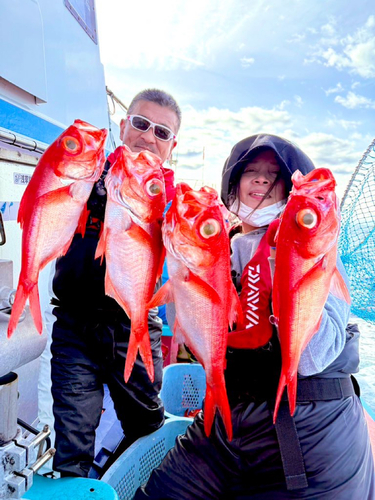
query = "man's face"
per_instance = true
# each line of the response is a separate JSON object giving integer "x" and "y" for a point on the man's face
{"x": 139, "y": 141}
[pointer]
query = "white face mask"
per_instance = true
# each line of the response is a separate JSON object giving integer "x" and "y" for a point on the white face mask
{"x": 259, "y": 217}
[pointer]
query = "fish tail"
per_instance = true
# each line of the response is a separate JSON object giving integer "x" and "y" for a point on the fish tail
{"x": 81, "y": 227}
{"x": 22, "y": 293}
{"x": 35, "y": 308}
{"x": 139, "y": 341}
{"x": 292, "y": 394}
{"x": 17, "y": 308}
{"x": 216, "y": 397}
{"x": 280, "y": 390}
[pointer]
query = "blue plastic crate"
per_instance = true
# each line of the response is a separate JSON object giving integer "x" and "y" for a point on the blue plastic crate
{"x": 134, "y": 466}
{"x": 77, "y": 488}
{"x": 183, "y": 389}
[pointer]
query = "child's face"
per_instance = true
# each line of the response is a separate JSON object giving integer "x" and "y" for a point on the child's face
{"x": 257, "y": 178}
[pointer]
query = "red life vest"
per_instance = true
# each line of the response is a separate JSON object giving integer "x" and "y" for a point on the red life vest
{"x": 255, "y": 298}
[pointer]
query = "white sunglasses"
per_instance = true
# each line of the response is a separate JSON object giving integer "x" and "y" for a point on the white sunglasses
{"x": 143, "y": 125}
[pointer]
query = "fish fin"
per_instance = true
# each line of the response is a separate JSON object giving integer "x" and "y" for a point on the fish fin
{"x": 35, "y": 308}
{"x": 17, "y": 308}
{"x": 112, "y": 292}
{"x": 179, "y": 334}
{"x": 161, "y": 263}
{"x": 216, "y": 397}
{"x": 81, "y": 227}
{"x": 314, "y": 273}
{"x": 23, "y": 211}
{"x": 59, "y": 253}
{"x": 235, "y": 311}
{"x": 292, "y": 393}
{"x": 202, "y": 288}
{"x": 291, "y": 385}
{"x": 272, "y": 232}
{"x": 139, "y": 234}
{"x": 23, "y": 292}
{"x": 163, "y": 296}
{"x": 280, "y": 391}
{"x": 139, "y": 338}
{"x": 139, "y": 341}
{"x": 338, "y": 287}
{"x": 100, "y": 249}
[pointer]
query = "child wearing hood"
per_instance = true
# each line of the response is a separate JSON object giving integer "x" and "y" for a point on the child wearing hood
{"x": 322, "y": 452}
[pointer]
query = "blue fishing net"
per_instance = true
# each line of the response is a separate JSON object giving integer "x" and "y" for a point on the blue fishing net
{"x": 357, "y": 235}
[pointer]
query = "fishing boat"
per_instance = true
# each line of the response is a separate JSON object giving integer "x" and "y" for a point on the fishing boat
{"x": 50, "y": 75}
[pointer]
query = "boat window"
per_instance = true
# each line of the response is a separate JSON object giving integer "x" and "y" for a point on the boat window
{"x": 84, "y": 12}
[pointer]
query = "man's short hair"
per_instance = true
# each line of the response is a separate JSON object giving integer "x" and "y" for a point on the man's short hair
{"x": 159, "y": 97}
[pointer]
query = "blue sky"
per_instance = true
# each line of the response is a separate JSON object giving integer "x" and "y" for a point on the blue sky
{"x": 302, "y": 69}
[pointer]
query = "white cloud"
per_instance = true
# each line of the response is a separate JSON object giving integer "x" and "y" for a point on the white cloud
{"x": 354, "y": 52}
{"x": 188, "y": 60}
{"x": 178, "y": 36}
{"x": 297, "y": 38}
{"x": 246, "y": 62}
{"x": 352, "y": 101}
{"x": 329, "y": 151}
{"x": 335, "y": 122}
{"x": 329, "y": 29}
{"x": 339, "y": 155}
{"x": 370, "y": 23}
{"x": 283, "y": 104}
{"x": 334, "y": 90}
{"x": 298, "y": 100}
{"x": 334, "y": 59}
{"x": 362, "y": 57}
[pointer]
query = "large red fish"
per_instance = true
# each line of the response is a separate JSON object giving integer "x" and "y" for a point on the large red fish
{"x": 305, "y": 269}
{"x": 200, "y": 285}
{"x": 132, "y": 243}
{"x": 53, "y": 205}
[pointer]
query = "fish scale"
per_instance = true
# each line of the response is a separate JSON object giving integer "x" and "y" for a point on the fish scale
{"x": 132, "y": 245}
{"x": 200, "y": 285}
{"x": 53, "y": 206}
{"x": 305, "y": 269}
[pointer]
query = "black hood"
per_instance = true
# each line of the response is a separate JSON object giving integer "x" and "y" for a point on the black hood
{"x": 289, "y": 156}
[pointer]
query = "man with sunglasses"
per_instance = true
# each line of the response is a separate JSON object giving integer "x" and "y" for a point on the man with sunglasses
{"x": 91, "y": 332}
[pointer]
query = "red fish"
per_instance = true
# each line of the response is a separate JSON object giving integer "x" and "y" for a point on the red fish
{"x": 200, "y": 285}
{"x": 132, "y": 243}
{"x": 305, "y": 269}
{"x": 53, "y": 205}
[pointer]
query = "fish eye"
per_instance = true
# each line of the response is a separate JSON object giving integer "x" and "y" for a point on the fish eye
{"x": 71, "y": 144}
{"x": 209, "y": 228}
{"x": 307, "y": 218}
{"x": 154, "y": 187}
